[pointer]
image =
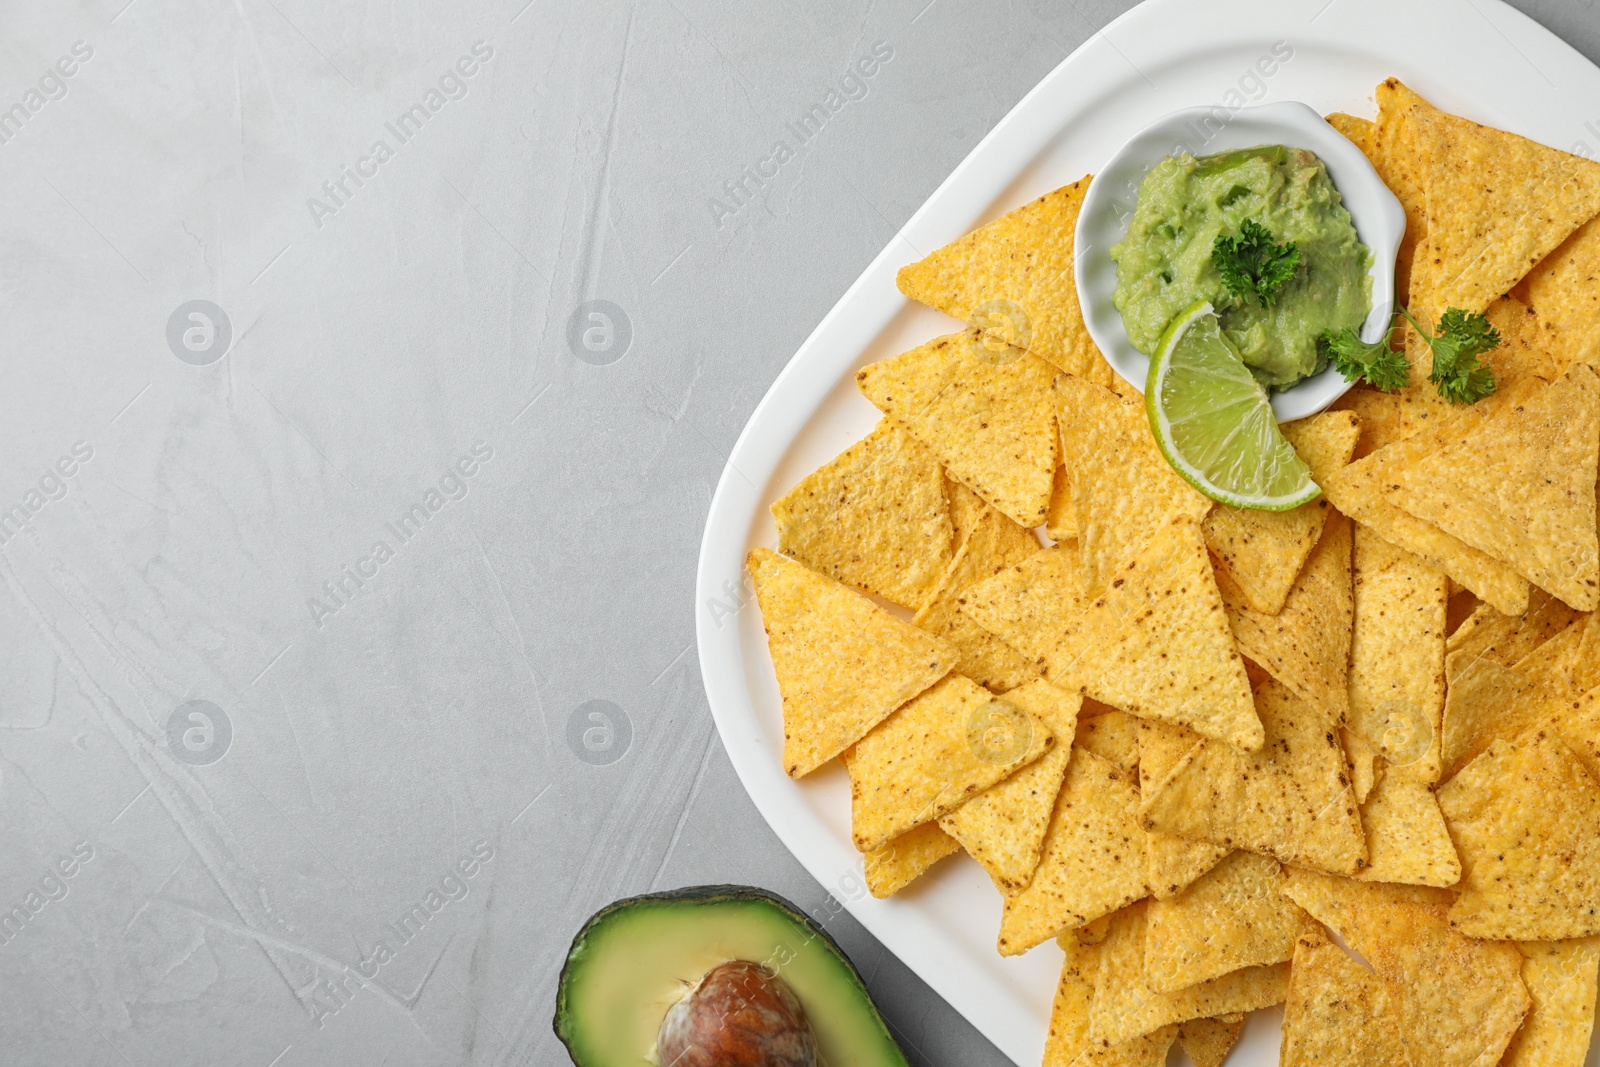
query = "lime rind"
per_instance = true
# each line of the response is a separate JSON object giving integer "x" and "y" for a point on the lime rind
{"x": 1213, "y": 420}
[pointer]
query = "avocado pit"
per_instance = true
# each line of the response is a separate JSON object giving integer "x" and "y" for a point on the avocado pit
{"x": 740, "y": 1014}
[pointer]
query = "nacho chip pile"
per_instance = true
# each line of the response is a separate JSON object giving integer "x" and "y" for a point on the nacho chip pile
{"x": 1343, "y": 759}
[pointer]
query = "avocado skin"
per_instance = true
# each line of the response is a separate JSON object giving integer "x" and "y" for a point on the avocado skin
{"x": 563, "y": 1022}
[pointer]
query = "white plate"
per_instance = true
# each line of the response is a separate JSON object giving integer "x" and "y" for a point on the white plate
{"x": 1162, "y": 56}
{"x": 1108, "y": 206}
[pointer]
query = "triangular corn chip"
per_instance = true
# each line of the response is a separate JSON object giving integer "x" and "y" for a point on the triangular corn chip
{"x": 1486, "y": 702}
{"x": 1123, "y": 490}
{"x": 1125, "y": 1006}
{"x": 1523, "y": 816}
{"x": 1155, "y": 644}
{"x": 992, "y": 544}
{"x": 1459, "y": 1000}
{"x": 1306, "y": 646}
{"x": 1365, "y": 767}
{"x": 966, "y": 508}
{"x": 1263, "y": 551}
{"x": 1093, "y": 861}
{"x": 1292, "y": 799}
{"x": 1069, "y": 1044}
{"x": 1395, "y": 157}
{"x": 1497, "y": 204}
{"x": 986, "y": 415}
{"x": 1505, "y": 639}
{"x": 1521, "y": 488}
{"x": 1208, "y": 1041}
{"x": 843, "y": 663}
{"x": 1061, "y": 520}
{"x": 1358, "y": 491}
{"x": 1358, "y": 131}
{"x": 1565, "y": 293}
{"x": 1176, "y": 862}
{"x": 1407, "y": 840}
{"x": 1014, "y": 277}
{"x": 1566, "y": 664}
{"x": 1338, "y": 1014}
{"x": 899, "y": 862}
{"x": 1560, "y": 976}
{"x": 1233, "y": 917}
{"x": 1110, "y": 734}
{"x": 1003, "y": 827}
{"x": 875, "y": 517}
{"x": 933, "y": 754}
{"x": 1397, "y": 689}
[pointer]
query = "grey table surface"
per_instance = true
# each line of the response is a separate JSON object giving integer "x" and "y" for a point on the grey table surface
{"x": 284, "y": 282}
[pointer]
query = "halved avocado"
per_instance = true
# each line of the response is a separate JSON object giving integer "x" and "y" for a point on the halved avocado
{"x": 633, "y": 960}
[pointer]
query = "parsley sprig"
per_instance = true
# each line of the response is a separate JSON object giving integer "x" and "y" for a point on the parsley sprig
{"x": 1253, "y": 263}
{"x": 1457, "y": 373}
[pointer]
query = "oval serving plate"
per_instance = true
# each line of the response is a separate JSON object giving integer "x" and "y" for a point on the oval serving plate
{"x": 1156, "y": 59}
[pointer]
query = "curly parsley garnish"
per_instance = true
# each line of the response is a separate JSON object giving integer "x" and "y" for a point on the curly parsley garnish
{"x": 1456, "y": 344}
{"x": 1253, "y": 263}
{"x": 1357, "y": 360}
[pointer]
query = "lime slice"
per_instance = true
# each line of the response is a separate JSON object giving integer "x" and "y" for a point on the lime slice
{"x": 1214, "y": 423}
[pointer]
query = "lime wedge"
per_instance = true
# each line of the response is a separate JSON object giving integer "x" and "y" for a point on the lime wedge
{"x": 1214, "y": 423}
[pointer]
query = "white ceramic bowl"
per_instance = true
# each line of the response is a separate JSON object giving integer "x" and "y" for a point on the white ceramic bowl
{"x": 1108, "y": 205}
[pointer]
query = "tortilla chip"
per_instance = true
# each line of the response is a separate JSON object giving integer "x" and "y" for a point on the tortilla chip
{"x": 1061, "y": 522}
{"x": 1338, "y": 1013}
{"x": 1125, "y": 1006}
{"x": 902, "y": 860}
{"x": 1563, "y": 666}
{"x": 1177, "y": 862}
{"x": 1523, "y": 816}
{"x": 1565, "y": 293}
{"x": 1407, "y": 840}
{"x": 1397, "y": 688}
{"x": 875, "y": 517}
{"x": 1123, "y": 491}
{"x": 1522, "y": 488}
{"x": 966, "y": 508}
{"x": 1586, "y": 672}
{"x": 1292, "y": 799}
{"x": 843, "y": 663}
{"x": 1263, "y": 552}
{"x": 1486, "y": 702}
{"x": 932, "y": 755}
{"x": 1014, "y": 277}
{"x": 987, "y": 416}
{"x": 1208, "y": 1041}
{"x": 1395, "y": 158}
{"x": 1003, "y": 827}
{"x": 1560, "y": 976}
{"x": 1459, "y": 1000}
{"x": 1497, "y": 204}
{"x": 1306, "y": 646}
{"x": 1110, "y": 734}
{"x": 1069, "y": 1044}
{"x": 1365, "y": 767}
{"x": 1505, "y": 639}
{"x": 1093, "y": 861}
{"x": 1233, "y": 917}
{"x": 1357, "y": 492}
{"x": 1578, "y": 723}
{"x": 1358, "y": 131}
{"x": 993, "y": 543}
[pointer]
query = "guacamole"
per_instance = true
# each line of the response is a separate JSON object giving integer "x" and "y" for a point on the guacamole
{"x": 1164, "y": 263}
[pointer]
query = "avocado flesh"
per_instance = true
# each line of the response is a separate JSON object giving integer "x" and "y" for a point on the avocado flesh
{"x": 635, "y": 959}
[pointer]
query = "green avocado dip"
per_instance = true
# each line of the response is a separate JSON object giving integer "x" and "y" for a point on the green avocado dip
{"x": 1164, "y": 263}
